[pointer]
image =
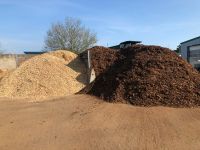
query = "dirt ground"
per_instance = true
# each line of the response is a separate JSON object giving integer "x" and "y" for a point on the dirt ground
{"x": 83, "y": 122}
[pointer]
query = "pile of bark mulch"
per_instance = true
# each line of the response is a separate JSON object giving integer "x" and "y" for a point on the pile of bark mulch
{"x": 148, "y": 76}
{"x": 102, "y": 58}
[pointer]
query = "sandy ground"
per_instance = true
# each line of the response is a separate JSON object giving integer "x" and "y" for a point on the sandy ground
{"x": 83, "y": 122}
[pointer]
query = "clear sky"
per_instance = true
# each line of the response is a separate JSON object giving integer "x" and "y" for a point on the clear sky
{"x": 24, "y": 23}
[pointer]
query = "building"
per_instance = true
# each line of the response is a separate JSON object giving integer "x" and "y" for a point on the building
{"x": 34, "y": 53}
{"x": 125, "y": 44}
{"x": 190, "y": 50}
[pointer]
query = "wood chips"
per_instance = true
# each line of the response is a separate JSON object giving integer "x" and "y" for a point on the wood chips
{"x": 58, "y": 73}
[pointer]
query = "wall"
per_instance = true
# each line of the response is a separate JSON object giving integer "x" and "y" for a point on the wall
{"x": 184, "y": 47}
{"x": 23, "y": 57}
{"x": 12, "y": 61}
{"x": 8, "y": 61}
{"x": 86, "y": 58}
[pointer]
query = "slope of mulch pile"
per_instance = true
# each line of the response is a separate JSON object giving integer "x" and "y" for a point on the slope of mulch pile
{"x": 149, "y": 76}
{"x": 102, "y": 58}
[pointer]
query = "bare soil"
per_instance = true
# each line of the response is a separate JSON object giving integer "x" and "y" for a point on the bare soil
{"x": 84, "y": 122}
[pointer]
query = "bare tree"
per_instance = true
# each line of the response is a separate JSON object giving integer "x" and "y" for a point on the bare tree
{"x": 70, "y": 35}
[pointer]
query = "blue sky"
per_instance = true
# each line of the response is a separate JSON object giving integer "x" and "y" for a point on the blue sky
{"x": 24, "y": 23}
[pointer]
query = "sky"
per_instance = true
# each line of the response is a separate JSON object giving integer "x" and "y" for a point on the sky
{"x": 24, "y": 23}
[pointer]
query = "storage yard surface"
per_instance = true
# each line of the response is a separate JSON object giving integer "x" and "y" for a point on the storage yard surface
{"x": 84, "y": 122}
{"x": 143, "y": 97}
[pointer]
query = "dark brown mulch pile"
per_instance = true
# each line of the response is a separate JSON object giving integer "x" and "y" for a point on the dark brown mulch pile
{"x": 148, "y": 76}
{"x": 102, "y": 58}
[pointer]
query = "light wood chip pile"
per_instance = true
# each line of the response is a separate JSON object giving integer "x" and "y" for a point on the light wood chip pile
{"x": 58, "y": 73}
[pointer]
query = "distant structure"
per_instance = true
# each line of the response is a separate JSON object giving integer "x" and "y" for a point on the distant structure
{"x": 125, "y": 44}
{"x": 34, "y": 53}
{"x": 190, "y": 50}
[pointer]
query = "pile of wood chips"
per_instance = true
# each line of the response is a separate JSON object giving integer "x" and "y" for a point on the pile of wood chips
{"x": 4, "y": 72}
{"x": 53, "y": 74}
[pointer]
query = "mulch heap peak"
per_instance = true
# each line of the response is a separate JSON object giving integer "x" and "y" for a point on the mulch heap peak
{"x": 148, "y": 76}
{"x": 102, "y": 58}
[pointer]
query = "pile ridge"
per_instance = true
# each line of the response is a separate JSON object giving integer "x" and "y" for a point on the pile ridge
{"x": 65, "y": 55}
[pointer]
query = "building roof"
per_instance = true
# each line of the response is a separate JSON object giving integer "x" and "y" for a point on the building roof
{"x": 115, "y": 47}
{"x": 125, "y": 42}
{"x": 132, "y": 42}
{"x": 191, "y": 40}
{"x": 29, "y": 52}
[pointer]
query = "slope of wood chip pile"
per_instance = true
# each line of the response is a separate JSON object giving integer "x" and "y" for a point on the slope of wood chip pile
{"x": 148, "y": 76}
{"x": 58, "y": 73}
{"x": 1, "y": 73}
{"x": 4, "y": 72}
